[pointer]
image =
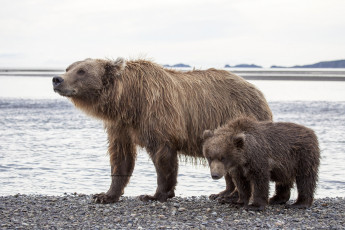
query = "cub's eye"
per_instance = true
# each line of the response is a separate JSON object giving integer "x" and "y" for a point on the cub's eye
{"x": 222, "y": 159}
{"x": 81, "y": 72}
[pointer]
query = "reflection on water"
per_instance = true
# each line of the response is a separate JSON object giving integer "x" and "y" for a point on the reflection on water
{"x": 49, "y": 147}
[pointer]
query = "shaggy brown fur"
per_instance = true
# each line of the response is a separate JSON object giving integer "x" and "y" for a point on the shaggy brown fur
{"x": 256, "y": 152}
{"x": 162, "y": 110}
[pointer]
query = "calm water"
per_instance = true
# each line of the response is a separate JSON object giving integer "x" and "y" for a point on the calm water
{"x": 49, "y": 147}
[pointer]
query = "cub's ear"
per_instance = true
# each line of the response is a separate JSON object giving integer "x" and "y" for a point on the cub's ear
{"x": 239, "y": 140}
{"x": 117, "y": 66}
{"x": 207, "y": 134}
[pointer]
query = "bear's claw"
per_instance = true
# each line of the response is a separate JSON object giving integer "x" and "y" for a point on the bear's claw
{"x": 254, "y": 207}
{"x": 161, "y": 197}
{"x": 225, "y": 196}
{"x": 298, "y": 206}
{"x": 277, "y": 201}
{"x": 226, "y": 199}
{"x": 103, "y": 198}
{"x": 214, "y": 196}
{"x": 146, "y": 198}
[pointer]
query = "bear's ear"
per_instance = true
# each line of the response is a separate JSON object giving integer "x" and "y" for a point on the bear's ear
{"x": 239, "y": 140}
{"x": 207, "y": 134}
{"x": 119, "y": 64}
{"x": 116, "y": 66}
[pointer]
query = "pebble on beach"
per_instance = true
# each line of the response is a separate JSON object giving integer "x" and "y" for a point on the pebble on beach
{"x": 77, "y": 211}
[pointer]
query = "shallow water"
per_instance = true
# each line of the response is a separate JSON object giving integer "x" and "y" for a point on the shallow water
{"x": 49, "y": 147}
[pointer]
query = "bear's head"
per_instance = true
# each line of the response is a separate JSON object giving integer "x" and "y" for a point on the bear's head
{"x": 223, "y": 150}
{"x": 85, "y": 80}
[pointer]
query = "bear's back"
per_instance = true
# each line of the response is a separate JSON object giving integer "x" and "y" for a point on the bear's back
{"x": 286, "y": 141}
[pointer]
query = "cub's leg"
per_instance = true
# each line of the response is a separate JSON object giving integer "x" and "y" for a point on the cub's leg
{"x": 307, "y": 176}
{"x": 243, "y": 187}
{"x": 260, "y": 186}
{"x": 282, "y": 193}
{"x": 306, "y": 188}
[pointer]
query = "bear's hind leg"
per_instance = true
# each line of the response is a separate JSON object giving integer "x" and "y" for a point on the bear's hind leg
{"x": 166, "y": 164}
{"x": 305, "y": 186}
{"x": 282, "y": 193}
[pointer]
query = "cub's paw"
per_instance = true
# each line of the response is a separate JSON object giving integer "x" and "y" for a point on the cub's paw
{"x": 160, "y": 197}
{"x": 103, "y": 198}
{"x": 226, "y": 194}
{"x": 296, "y": 205}
{"x": 254, "y": 207}
{"x": 227, "y": 199}
{"x": 146, "y": 198}
{"x": 277, "y": 201}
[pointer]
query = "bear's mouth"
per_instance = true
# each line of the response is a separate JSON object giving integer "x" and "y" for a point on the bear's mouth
{"x": 65, "y": 93}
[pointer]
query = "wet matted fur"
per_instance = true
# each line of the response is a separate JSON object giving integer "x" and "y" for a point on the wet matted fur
{"x": 162, "y": 110}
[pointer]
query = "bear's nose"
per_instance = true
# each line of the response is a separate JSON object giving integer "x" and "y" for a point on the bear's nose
{"x": 57, "y": 80}
{"x": 215, "y": 176}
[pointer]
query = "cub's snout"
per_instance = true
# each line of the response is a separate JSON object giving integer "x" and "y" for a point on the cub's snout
{"x": 217, "y": 169}
{"x": 216, "y": 176}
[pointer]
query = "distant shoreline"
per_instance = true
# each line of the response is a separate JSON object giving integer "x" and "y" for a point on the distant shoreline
{"x": 286, "y": 74}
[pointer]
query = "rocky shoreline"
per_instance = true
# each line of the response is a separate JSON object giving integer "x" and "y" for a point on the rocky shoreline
{"x": 77, "y": 211}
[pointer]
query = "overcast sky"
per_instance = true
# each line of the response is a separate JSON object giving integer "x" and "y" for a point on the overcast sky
{"x": 203, "y": 34}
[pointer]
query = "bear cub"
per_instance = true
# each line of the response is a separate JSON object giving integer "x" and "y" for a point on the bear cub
{"x": 256, "y": 152}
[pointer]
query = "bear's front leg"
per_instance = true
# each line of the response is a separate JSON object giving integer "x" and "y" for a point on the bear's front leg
{"x": 122, "y": 160}
{"x": 229, "y": 194}
{"x": 243, "y": 187}
{"x": 166, "y": 164}
{"x": 260, "y": 185}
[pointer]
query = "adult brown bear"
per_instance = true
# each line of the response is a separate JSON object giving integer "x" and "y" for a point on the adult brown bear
{"x": 165, "y": 111}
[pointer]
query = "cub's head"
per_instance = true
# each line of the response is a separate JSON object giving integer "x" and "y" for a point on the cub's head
{"x": 86, "y": 79}
{"x": 223, "y": 150}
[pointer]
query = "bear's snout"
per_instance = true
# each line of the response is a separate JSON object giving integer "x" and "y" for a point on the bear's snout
{"x": 57, "y": 80}
{"x": 216, "y": 176}
{"x": 217, "y": 169}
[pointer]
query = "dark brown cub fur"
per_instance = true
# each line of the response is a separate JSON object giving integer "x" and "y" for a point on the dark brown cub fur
{"x": 256, "y": 152}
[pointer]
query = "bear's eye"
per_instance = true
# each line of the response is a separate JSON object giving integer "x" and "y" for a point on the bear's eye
{"x": 81, "y": 72}
{"x": 222, "y": 159}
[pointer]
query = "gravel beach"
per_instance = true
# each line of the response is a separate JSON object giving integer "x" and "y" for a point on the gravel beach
{"x": 77, "y": 211}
